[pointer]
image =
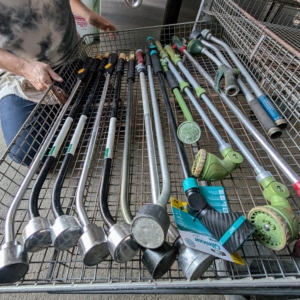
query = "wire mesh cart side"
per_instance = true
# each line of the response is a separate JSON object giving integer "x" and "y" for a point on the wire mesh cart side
{"x": 264, "y": 272}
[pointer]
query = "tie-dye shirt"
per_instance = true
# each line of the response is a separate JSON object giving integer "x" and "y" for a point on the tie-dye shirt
{"x": 42, "y": 30}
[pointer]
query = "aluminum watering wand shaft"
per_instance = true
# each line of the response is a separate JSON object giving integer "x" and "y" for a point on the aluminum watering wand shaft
{"x": 263, "y": 99}
{"x": 262, "y": 116}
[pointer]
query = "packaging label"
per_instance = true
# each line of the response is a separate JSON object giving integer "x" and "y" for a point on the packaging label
{"x": 194, "y": 234}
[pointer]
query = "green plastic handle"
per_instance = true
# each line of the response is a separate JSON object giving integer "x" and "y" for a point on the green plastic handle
{"x": 173, "y": 56}
{"x": 186, "y": 112}
{"x": 161, "y": 50}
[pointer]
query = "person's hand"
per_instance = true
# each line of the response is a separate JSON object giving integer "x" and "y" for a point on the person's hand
{"x": 40, "y": 75}
{"x": 102, "y": 24}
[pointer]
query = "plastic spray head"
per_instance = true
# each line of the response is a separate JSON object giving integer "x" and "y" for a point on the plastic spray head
{"x": 275, "y": 224}
{"x": 209, "y": 167}
{"x": 195, "y": 47}
{"x": 231, "y": 229}
{"x": 177, "y": 44}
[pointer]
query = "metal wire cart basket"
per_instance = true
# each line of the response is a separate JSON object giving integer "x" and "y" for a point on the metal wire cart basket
{"x": 270, "y": 52}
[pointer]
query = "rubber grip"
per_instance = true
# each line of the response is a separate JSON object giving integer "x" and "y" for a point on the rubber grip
{"x": 264, "y": 119}
{"x": 139, "y": 56}
{"x": 131, "y": 70}
{"x": 171, "y": 80}
{"x": 85, "y": 69}
{"x": 95, "y": 65}
{"x": 113, "y": 58}
{"x": 147, "y": 59}
{"x": 156, "y": 64}
{"x": 196, "y": 202}
{"x": 120, "y": 65}
{"x": 269, "y": 107}
{"x": 102, "y": 65}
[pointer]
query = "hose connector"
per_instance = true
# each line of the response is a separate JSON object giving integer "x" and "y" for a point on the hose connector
{"x": 275, "y": 225}
{"x": 209, "y": 167}
{"x": 230, "y": 75}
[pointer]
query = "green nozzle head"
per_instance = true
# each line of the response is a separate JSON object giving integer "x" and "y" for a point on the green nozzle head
{"x": 209, "y": 167}
{"x": 275, "y": 224}
{"x": 195, "y": 47}
{"x": 189, "y": 132}
{"x": 177, "y": 44}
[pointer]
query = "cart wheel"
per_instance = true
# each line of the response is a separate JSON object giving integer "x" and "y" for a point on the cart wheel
{"x": 199, "y": 163}
{"x": 271, "y": 229}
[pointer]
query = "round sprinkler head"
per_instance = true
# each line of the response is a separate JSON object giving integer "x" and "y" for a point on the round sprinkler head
{"x": 193, "y": 263}
{"x": 271, "y": 229}
{"x": 65, "y": 233}
{"x": 189, "y": 132}
{"x": 121, "y": 245}
{"x": 160, "y": 260}
{"x": 93, "y": 245}
{"x": 37, "y": 235}
{"x": 150, "y": 226}
{"x": 199, "y": 163}
{"x": 13, "y": 262}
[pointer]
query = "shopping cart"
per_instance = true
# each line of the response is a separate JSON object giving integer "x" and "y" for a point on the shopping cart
{"x": 274, "y": 65}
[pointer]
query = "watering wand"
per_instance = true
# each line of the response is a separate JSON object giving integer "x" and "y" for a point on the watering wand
{"x": 93, "y": 242}
{"x": 230, "y": 229}
{"x": 262, "y": 116}
{"x": 66, "y": 229}
{"x": 37, "y": 234}
{"x": 230, "y": 75}
{"x": 207, "y": 166}
{"x": 289, "y": 173}
{"x": 13, "y": 256}
{"x": 263, "y": 99}
{"x": 188, "y": 132}
{"x": 151, "y": 223}
{"x": 121, "y": 245}
{"x": 270, "y": 229}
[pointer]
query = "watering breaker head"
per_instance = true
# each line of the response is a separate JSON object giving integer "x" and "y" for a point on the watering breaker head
{"x": 193, "y": 263}
{"x": 150, "y": 226}
{"x": 93, "y": 245}
{"x": 121, "y": 245}
{"x": 159, "y": 261}
{"x": 13, "y": 262}
{"x": 66, "y": 232}
{"x": 189, "y": 132}
{"x": 37, "y": 235}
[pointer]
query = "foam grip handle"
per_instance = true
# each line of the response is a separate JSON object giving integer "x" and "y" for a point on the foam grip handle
{"x": 131, "y": 69}
{"x": 95, "y": 65}
{"x": 102, "y": 65}
{"x": 220, "y": 223}
{"x": 175, "y": 59}
{"x": 156, "y": 63}
{"x": 121, "y": 63}
{"x": 178, "y": 44}
{"x": 147, "y": 58}
{"x": 270, "y": 109}
{"x": 171, "y": 80}
{"x": 83, "y": 72}
{"x": 264, "y": 119}
{"x": 139, "y": 55}
{"x": 113, "y": 58}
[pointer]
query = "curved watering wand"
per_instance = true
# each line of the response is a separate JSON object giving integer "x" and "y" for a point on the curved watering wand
{"x": 13, "y": 256}
{"x": 37, "y": 234}
{"x": 230, "y": 229}
{"x": 66, "y": 229}
{"x": 93, "y": 242}
{"x": 263, "y": 99}
{"x": 266, "y": 219}
{"x": 188, "y": 132}
{"x": 230, "y": 75}
{"x": 151, "y": 223}
{"x": 121, "y": 245}
{"x": 207, "y": 166}
{"x": 262, "y": 116}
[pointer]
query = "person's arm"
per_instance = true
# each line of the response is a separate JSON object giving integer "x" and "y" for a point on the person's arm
{"x": 39, "y": 74}
{"x": 80, "y": 9}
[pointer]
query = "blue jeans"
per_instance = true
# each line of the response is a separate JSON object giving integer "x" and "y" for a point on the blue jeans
{"x": 13, "y": 113}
